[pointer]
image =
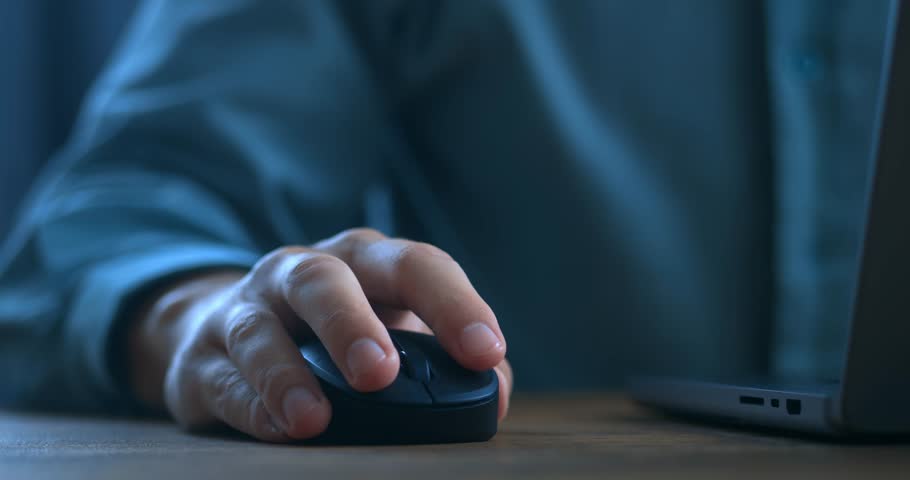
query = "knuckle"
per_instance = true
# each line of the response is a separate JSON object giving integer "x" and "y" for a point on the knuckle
{"x": 270, "y": 260}
{"x": 242, "y": 327}
{"x": 360, "y": 235}
{"x": 272, "y": 380}
{"x": 413, "y": 254}
{"x": 313, "y": 267}
{"x": 226, "y": 387}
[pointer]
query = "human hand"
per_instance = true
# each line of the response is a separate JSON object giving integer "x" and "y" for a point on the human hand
{"x": 221, "y": 347}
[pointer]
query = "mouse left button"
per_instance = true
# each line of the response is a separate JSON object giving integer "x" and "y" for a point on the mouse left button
{"x": 466, "y": 388}
{"x": 320, "y": 362}
{"x": 402, "y": 391}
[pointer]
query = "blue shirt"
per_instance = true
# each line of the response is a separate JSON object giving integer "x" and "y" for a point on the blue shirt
{"x": 658, "y": 186}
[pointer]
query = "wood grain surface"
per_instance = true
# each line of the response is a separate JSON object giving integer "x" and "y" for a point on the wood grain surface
{"x": 568, "y": 436}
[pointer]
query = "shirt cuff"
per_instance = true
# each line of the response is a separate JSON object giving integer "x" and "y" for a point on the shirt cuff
{"x": 100, "y": 299}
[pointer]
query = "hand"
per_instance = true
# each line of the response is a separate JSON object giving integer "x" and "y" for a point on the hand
{"x": 221, "y": 346}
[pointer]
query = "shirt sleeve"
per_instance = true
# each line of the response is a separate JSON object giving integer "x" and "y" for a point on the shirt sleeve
{"x": 222, "y": 129}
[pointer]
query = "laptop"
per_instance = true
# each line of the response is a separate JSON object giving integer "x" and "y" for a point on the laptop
{"x": 872, "y": 395}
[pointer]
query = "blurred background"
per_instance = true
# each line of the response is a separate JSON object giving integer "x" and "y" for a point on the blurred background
{"x": 50, "y": 51}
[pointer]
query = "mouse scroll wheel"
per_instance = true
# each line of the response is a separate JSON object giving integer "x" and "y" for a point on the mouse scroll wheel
{"x": 416, "y": 368}
{"x": 401, "y": 352}
{"x": 403, "y": 357}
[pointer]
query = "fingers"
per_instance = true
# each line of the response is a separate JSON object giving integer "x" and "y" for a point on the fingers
{"x": 323, "y": 291}
{"x": 423, "y": 278}
{"x": 406, "y": 320}
{"x": 205, "y": 389}
{"x": 504, "y": 373}
{"x": 269, "y": 361}
{"x": 226, "y": 395}
{"x": 247, "y": 371}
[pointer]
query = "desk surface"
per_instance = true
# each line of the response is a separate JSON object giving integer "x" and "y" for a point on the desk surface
{"x": 579, "y": 436}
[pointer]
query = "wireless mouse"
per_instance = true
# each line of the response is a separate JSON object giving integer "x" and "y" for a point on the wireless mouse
{"x": 432, "y": 400}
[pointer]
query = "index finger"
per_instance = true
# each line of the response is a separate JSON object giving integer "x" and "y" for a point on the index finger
{"x": 422, "y": 278}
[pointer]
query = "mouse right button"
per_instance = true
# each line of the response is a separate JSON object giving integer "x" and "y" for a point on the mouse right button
{"x": 446, "y": 380}
{"x": 467, "y": 389}
{"x": 452, "y": 384}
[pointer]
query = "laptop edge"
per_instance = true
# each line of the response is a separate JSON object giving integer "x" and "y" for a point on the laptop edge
{"x": 873, "y": 396}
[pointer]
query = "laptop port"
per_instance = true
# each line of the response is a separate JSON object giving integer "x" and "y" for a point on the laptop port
{"x": 747, "y": 400}
{"x": 794, "y": 407}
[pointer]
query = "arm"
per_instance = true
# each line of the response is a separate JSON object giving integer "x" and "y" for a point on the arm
{"x": 218, "y": 129}
{"x": 224, "y": 130}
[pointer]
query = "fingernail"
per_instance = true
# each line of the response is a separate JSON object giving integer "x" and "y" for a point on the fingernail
{"x": 363, "y": 356}
{"x": 477, "y": 339}
{"x": 297, "y": 404}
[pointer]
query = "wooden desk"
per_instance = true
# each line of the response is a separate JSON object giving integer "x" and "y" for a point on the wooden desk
{"x": 581, "y": 436}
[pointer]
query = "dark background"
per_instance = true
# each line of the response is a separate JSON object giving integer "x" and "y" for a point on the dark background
{"x": 50, "y": 51}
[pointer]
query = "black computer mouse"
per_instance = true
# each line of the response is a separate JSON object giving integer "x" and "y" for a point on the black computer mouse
{"x": 432, "y": 400}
